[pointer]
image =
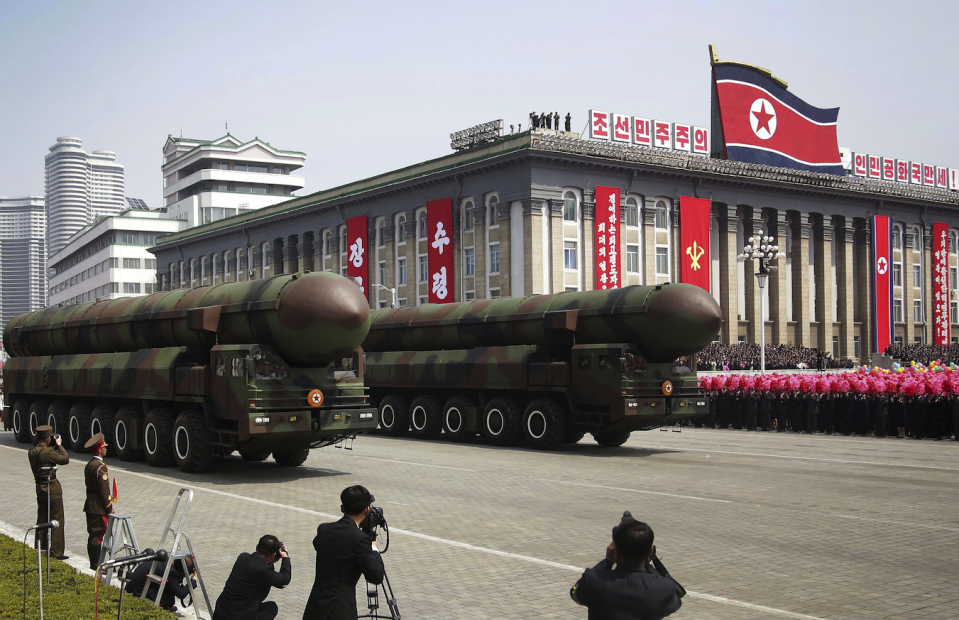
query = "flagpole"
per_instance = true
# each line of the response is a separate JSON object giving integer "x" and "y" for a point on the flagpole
{"x": 762, "y": 249}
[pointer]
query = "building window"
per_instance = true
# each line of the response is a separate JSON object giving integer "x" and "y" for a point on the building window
{"x": 916, "y": 276}
{"x": 897, "y": 340}
{"x": 149, "y": 288}
{"x": 382, "y": 272}
{"x": 952, "y": 243}
{"x": 380, "y": 224}
{"x": 422, "y": 301}
{"x": 131, "y": 263}
{"x": 661, "y": 215}
{"x": 468, "y": 215}
{"x": 569, "y": 207}
{"x": 150, "y": 239}
{"x": 662, "y": 262}
{"x": 494, "y": 258}
{"x": 401, "y": 272}
{"x": 571, "y": 289}
{"x": 631, "y": 212}
{"x": 402, "y": 302}
{"x": 470, "y": 295}
{"x": 494, "y": 293}
{"x": 897, "y": 274}
{"x": 896, "y": 238}
{"x": 632, "y": 258}
{"x": 569, "y": 255}
{"x": 835, "y": 347}
{"x": 917, "y": 311}
{"x": 424, "y": 269}
{"x": 326, "y": 243}
{"x": 897, "y": 310}
{"x": 493, "y": 215}
{"x": 953, "y": 278}
{"x": 856, "y": 346}
{"x": 469, "y": 263}
{"x": 954, "y": 311}
{"x": 421, "y": 225}
{"x": 401, "y": 229}
{"x": 131, "y": 288}
{"x": 149, "y": 263}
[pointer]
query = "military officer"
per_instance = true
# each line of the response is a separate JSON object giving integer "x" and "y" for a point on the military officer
{"x": 44, "y": 455}
{"x": 99, "y": 502}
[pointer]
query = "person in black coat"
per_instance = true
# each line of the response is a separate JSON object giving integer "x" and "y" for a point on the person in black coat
{"x": 897, "y": 415}
{"x": 751, "y": 406}
{"x": 881, "y": 407}
{"x": 812, "y": 412}
{"x": 343, "y": 553}
{"x": 827, "y": 412}
{"x": 954, "y": 414}
{"x": 634, "y": 588}
{"x": 861, "y": 409}
{"x": 918, "y": 412}
{"x": 766, "y": 410}
{"x": 250, "y": 582}
{"x": 175, "y": 588}
{"x": 736, "y": 410}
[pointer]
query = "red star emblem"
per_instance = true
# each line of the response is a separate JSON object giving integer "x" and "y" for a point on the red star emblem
{"x": 762, "y": 118}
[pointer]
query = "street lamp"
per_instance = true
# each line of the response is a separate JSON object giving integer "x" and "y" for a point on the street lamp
{"x": 762, "y": 249}
{"x": 391, "y": 290}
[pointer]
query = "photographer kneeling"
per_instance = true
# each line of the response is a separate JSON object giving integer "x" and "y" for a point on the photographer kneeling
{"x": 250, "y": 581}
{"x": 175, "y": 584}
{"x": 634, "y": 588}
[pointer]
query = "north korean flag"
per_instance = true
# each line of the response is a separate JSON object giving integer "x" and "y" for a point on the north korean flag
{"x": 762, "y": 123}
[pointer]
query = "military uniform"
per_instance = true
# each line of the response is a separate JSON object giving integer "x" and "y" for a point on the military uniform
{"x": 99, "y": 502}
{"x": 48, "y": 456}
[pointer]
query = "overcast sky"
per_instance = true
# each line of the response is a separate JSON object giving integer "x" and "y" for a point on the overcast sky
{"x": 365, "y": 88}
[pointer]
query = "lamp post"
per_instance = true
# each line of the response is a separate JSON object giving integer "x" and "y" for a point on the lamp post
{"x": 762, "y": 249}
{"x": 391, "y": 290}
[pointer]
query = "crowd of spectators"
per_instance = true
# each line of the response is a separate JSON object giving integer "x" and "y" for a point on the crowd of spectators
{"x": 778, "y": 357}
{"x": 924, "y": 353}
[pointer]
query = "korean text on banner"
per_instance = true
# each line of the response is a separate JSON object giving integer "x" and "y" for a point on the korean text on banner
{"x": 940, "y": 282}
{"x": 607, "y": 238}
{"x": 356, "y": 261}
{"x": 882, "y": 283}
{"x": 439, "y": 253}
{"x": 694, "y": 238}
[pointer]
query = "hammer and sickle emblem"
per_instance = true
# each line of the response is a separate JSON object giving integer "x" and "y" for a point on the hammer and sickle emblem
{"x": 695, "y": 252}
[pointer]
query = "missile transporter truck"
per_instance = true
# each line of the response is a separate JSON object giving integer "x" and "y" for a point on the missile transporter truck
{"x": 545, "y": 369}
{"x": 268, "y": 366}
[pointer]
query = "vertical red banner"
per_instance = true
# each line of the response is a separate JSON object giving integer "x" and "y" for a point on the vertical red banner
{"x": 607, "y": 238}
{"x": 357, "y": 265}
{"x": 940, "y": 282}
{"x": 882, "y": 324}
{"x": 439, "y": 253}
{"x": 694, "y": 240}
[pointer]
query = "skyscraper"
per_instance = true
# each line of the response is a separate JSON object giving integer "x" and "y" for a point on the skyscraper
{"x": 79, "y": 186}
{"x": 23, "y": 256}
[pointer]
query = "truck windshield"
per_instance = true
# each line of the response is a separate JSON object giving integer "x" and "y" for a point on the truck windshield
{"x": 635, "y": 363}
{"x": 269, "y": 366}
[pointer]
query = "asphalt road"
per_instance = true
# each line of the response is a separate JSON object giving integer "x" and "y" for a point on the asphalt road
{"x": 754, "y": 525}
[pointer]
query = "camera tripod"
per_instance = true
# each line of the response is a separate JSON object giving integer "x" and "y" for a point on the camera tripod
{"x": 371, "y": 526}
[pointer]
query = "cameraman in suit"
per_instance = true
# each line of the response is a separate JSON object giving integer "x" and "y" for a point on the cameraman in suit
{"x": 343, "y": 553}
{"x": 250, "y": 582}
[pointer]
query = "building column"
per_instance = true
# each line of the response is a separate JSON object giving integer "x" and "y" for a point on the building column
{"x": 318, "y": 251}
{"x": 480, "y": 248}
{"x": 845, "y": 292}
{"x": 864, "y": 297}
{"x": 752, "y": 227}
{"x": 505, "y": 247}
{"x": 908, "y": 315}
{"x": 588, "y": 267}
{"x": 801, "y": 230}
{"x": 535, "y": 270}
{"x": 302, "y": 250}
{"x": 825, "y": 304}
{"x": 728, "y": 270}
{"x": 556, "y": 226}
{"x": 291, "y": 254}
{"x": 648, "y": 233}
{"x": 243, "y": 266}
{"x": 778, "y": 291}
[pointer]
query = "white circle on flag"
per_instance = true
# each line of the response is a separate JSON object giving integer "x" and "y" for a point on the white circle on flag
{"x": 762, "y": 118}
{"x": 882, "y": 265}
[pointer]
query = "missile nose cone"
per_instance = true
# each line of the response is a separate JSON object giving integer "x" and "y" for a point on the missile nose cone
{"x": 313, "y": 299}
{"x": 687, "y": 316}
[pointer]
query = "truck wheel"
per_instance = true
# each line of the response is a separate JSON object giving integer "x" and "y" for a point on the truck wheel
{"x": 544, "y": 424}
{"x": 291, "y": 458}
{"x": 158, "y": 437}
{"x": 37, "y": 417}
{"x": 611, "y": 440}
{"x": 57, "y": 416}
{"x": 573, "y": 435}
{"x": 455, "y": 425}
{"x": 426, "y": 421}
{"x": 191, "y": 442}
{"x": 78, "y": 425}
{"x": 126, "y": 429}
{"x": 502, "y": 424}
{"x": 255, "y": 457}
{"x": 394, "y": 415}
{"x": 101, "y": 421}
{"x": 21, "y": 421}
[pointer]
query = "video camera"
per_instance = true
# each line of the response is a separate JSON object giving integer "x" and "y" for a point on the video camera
{"x": 375, "y": 521}
{"x": 657, "y": 563}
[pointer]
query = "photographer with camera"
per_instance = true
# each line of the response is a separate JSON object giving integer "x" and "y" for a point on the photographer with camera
{"x": 631, "y": 582}
{"x": 344, "y": 552}
{"x": 250, "y": 581}
{"x": 175, "y": 588}
{"x": 44, "y": 459}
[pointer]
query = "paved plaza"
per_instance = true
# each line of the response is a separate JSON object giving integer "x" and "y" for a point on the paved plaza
{"x": 754, "y": 525}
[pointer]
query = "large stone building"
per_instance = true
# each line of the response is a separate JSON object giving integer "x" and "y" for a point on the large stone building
{"x": 524, "y": 220}
{"x": 23, "y": 256}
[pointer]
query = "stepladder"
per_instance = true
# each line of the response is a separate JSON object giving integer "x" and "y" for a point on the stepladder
{"x": 181, "y": 555}
{"x": 119, "y": 540}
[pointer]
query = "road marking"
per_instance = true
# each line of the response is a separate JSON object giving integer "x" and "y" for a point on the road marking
{"x": 887, "y": 522}
{"x": 374, "y": 458}
{"x": 763, "y": 608}
{"x": 599, "y": 486}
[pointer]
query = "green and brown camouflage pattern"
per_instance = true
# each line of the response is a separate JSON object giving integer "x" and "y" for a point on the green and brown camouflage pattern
{"x": 235, "y": 351}
{"x": 607, "y": 354}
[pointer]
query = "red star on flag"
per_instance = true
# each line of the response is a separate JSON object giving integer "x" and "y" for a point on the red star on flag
{"x": 763, "y": 117}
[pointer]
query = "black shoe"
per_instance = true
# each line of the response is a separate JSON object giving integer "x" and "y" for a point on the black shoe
{"x": 62, "y": 557}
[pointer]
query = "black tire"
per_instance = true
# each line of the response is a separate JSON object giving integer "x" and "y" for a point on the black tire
{"x": 455, "y": 426}
{"x": 37, "y": 417}
{"x": 502, "y": 422}
{"x": 57, "y": 415}
{"x": 101, "y": 421}
{"x": 394, "y": 416}
{"x": 291, "y": 458}
{"x": 255, "y": 457}
{"x": 611, "y": 440}
{"x": 191, "y": 442}
{"x": 158, "y": 437}
{"x": 127, "y": 431}
{"x": 426, "y": 418}
{"x": 544, "y": 424}
{"x": 78, "y": 426}
{"x": 21, "y": 420}
{"x": 573, "y": 435}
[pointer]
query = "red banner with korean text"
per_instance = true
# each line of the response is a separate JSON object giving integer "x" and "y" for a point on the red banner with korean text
{"x": 607, "y": 238}
{"x": 357, "y": 265}
{"x": 694, "y": 240}
{"x": 881, "y": 272}
{"x": 439, "y": 253}
{"x": 940, "y": 282}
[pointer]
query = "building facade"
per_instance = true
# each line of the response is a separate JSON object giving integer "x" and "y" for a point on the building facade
{"x": 109, "y": 258}
{"x": 79, "y": 187}
{"x": 205, "y": 181}
{"x": 23, "y": 256}
{"x": 524, "y": 222}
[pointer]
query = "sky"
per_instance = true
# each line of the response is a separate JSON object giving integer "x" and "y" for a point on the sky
{"x": 365, "y": 88}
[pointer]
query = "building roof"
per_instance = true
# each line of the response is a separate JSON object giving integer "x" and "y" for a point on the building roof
{"x": 227, "y": 142}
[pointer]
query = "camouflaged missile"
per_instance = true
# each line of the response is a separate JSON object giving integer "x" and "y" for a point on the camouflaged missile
{"x": 269, "y": 366}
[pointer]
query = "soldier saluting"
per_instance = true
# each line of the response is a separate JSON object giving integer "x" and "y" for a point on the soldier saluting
{"x": 99, "y": 502}
{"x": 43, "y": 455}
